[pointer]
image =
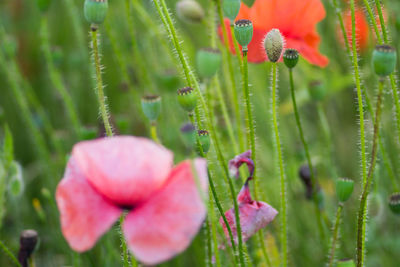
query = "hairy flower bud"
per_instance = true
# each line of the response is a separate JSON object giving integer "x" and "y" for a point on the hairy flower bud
{"x": 273, "y": 44}
{"x": 190, "y": 11}
{"x": 95, "y": 10}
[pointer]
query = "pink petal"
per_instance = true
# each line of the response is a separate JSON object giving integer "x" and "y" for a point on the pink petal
{"x": 85, "y": 214}
{"x": 125, "y": 169}
{"x": 164, "y": 226}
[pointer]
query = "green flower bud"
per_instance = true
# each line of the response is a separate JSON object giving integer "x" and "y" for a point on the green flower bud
{"x": 273, "y": 45}
{"x": 43, "y": 4}
{"x": 151, "y": 106}
{"x": 394, "y": 203}
{"x": 231, "y": 8}
{"x": 291, "y": 58}
{"x": 344, "y": 189}
{"x": 384, "y": 60}
{"x": 187, "y": 98}
{"x": 95, "y": 11}
{"x": 189, "y": 135}
{"x": 208, "y": 62}
{"x": 204, "y": 139}
{"x": 16, "y": 182}
{"x": 88, "y": 133}
{"x": 190, "y": 11}
{"x": 346, "y": 263}
{"x": 243, "y": 32}
{"x": 317, "y": 90}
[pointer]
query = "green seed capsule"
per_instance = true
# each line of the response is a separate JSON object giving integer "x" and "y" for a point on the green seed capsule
{"x": 190, "y": 11}
{"x": 204, "y": 139}
{"x": 95, "y": 11}
{"x": 151, "y": 106}
{"x": 43, "y": 4}
{"x": 291, "y": 58}
{"x": 187, "y": 98}
{"x": 231, "y": 8}
{"x": 243, "y": 30}
{"x": 273, "y": 45}
{"x": 317, "y": 90}
{"x": 208, "y": 62}
{"x": 346, "y": 263}
{"x": 384, "y": 60}
{"x": 344, "y": 189}
{"x": 394, "y": 203}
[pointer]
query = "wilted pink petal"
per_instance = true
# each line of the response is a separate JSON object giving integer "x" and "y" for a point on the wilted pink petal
{"x": 239, "y": 160}
{"x": 253, "y": 215}
{"x": 164, "y": 226}
{"x": 85, "y": 214}
{"x": 125, "y": 169}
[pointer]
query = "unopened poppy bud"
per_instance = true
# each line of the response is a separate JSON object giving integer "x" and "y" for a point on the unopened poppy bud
{"x": 95, "y": 11}
{"x": 151, "y": 106}
{"x": 384, "y": 60}
{"x": 43, "y": 4}
{"x": 394, "y": 203}
{"x": 243, "y": 32}
{"x": 189, "y": 134}
{"x": 208, "y": 62}
{"x": 344, "y": 189}
{"x": 231, "y": 8}
{"x": 187, "y": 98}
{"x": 291, "y": 58}
{"x": 346, "y": 263}
{"x": 190, "y": 11}
{"x": 204, "y": 138}
{"x": 317, "y": 90}
{"x": 28, "y": 241}
{"x": 273, "y": 45}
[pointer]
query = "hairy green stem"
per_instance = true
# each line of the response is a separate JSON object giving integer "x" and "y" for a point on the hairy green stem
{"x": 335, "y": 235}
{"x": 283, "y": 204}
{"x": 9, "y": 254}
{"x": 213, "y": 223}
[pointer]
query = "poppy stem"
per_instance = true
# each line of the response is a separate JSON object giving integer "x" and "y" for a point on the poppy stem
{"x": 213, "y": 223}
{"x": 99, "y": 80}
{"x": 153, "y": 132}
{"x": 314, "y": 183}
{"x": 361, "y": 222}
{"x": 283, "y": 205}
{"x": 335, "y": 235}
{"x": 9, "y": 254}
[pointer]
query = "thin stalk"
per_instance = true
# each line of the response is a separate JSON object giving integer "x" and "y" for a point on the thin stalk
{"x": 99, "y": 83}
{"x": 335, "y": 235}
{"x": 341, "y": 23}
{"x": 153, "y": 132}
{"x": 372, "y": 18}
{"x": 307, "y": 152}
{"x": 208, "y": 259}
{"x": 361, "y": 222}
{"x": 382, "y": 20}
{"x": 55, "y": 77}
{"x": 283, "y": 204}
{"x": 214, "y": 233}
{"x": 9, "y": 254}
{"x": 235, "y": 97}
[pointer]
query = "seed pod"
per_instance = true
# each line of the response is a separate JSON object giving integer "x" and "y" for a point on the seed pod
{"x": 208, "y": 62}
{"x": 394, "y": 203}
{"x": 231, "y": 8}
{"x": 190, "y": 11}
{"x": 189, "y": 135}
{"x": 273, "y": 45}
{"x": 95, "y": 11}
{"x": 346, "y": 263}
{"x": 151, "y": 106}
{"x": 243, "y": 30}
{"x": 187, "y": 98}
{"x": 384, "y": 60}
{"x": 43, "y": 4}
{"x": 344, "y": 189}
{"x": 317, "y": 90}
{"x": 204, "y": 139}
{"x": 28, "y": 242}
{"x": 291, "y": 58}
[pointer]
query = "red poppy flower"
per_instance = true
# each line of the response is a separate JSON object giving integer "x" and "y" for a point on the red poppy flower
{"x": 105, "y": 176}
{"x": 295, "y": 19}
{"x": 362, "y": 29}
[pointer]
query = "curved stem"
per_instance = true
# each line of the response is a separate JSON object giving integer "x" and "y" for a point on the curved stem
{"x": 361, "y": 222}
{"x": 283, "y": 235}
{"x": 99, "y": 83}
{"x": 335, "y": 235}
{"x": 9, "y": 254}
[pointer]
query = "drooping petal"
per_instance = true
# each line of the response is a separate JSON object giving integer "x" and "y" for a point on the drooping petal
{"x": 254, "y": 215}
{"x": 239, "y": 160}
{"x": 164, "y": 226}
{"x": 85, "y": 214}
{"x": 125, "y": 169}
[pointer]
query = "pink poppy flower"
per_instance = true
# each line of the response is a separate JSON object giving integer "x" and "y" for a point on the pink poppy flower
{"x": 254, "y": 215}
{"x": 239, "y": 160}
{"x": 105, "y": 176}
